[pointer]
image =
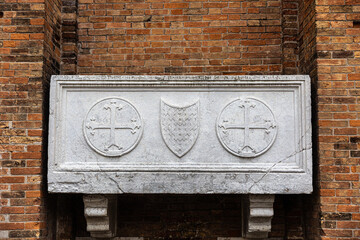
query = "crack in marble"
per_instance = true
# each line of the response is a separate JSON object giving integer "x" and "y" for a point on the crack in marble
{"x": 306, "y": 134}
{"x": 278, "y": 162}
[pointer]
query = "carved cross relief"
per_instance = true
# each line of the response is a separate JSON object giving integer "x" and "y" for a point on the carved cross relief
{"x": 108, "y": 117}
{"x": 249, "y": 115}
{"x": 106, "y": 120}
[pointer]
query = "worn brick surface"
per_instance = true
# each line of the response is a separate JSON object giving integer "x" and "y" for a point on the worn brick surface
{"x": 337, "y": 45}
{"x": 21, "y": 68}
{"x": 39, "y": 38}
{"x": 183, "y": 37}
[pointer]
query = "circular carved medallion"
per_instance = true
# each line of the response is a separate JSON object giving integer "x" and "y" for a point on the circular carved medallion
{"x": 246, "y": 127}
{"x": 112, "y": 127}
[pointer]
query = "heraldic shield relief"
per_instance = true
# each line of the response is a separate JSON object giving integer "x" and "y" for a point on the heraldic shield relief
{"x": 180, "y": 126}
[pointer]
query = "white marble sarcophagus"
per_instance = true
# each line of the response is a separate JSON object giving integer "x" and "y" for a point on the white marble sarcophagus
{"x": 180, "y": 134}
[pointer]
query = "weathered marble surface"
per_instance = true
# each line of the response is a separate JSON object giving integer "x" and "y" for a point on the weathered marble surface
{"x": 180, "y": 134}
{"x": 100, "y": 214}
{"x": 258, "y": 211}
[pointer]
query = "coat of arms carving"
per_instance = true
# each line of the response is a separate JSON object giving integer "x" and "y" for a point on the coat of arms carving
{"x": 179, "y": 126}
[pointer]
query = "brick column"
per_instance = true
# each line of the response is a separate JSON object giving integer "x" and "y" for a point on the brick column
{"x": 338, "y": 116}
{"x": 21, "y": 119}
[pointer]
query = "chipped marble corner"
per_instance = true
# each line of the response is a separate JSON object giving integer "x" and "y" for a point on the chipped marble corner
{"x": 100, "y": 212}
{"x": 257, "y": 214}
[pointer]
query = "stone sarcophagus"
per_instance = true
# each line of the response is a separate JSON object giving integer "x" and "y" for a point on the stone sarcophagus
{"x": 180, "y": 134}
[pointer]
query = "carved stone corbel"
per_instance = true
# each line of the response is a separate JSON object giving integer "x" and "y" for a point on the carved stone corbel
{"x": 100, "y": 213}
{"x": 257, "y": 214}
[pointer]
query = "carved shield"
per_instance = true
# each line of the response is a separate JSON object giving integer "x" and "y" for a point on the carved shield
{"x": 179, "y": 127}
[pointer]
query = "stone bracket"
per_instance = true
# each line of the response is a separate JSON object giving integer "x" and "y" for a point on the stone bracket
{"x": 100, "y": 212}
{"x": 257, "y": 214}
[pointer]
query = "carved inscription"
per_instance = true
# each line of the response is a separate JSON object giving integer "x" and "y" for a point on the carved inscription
{"x": 246, "y": 127}
{"x": 179, "y": 127}
{"x": 112, "y": 127}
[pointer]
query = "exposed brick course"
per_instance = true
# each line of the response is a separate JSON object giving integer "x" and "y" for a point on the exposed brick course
{"x": 338, "y": 100}
{"x": 21, "y": 54}
{"x": 40, "y": 38}
{"x": 200, "y": 37}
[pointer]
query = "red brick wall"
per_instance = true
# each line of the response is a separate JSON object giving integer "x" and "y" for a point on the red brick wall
{"x": 307, "y": 39}
{"x": 39, "y": 38}
{"x": 180, "y": 37}
{"x": 307, "y": 65}
{"x": 21, "y": 53}
{"x": 69, "y": 37}
{"x": 52, "y": 41}
{"x": 290, "y": 32}
{"x": 338, "y": 91}
{"x": 52, "y": 63}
